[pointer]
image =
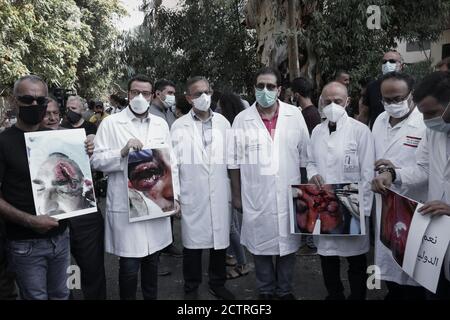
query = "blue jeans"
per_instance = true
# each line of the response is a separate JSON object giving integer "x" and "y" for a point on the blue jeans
{"x": 274, "y": 277}
{"x": 236, "y": 248}
{"x": 128, "y": 277}
{"x": 40, "y": 266}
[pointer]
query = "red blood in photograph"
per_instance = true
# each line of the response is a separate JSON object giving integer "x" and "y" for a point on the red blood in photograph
{"x": 396, "y": 217}
{"x": 314, "y": 202}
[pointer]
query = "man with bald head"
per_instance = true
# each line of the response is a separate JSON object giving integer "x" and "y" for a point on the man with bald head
{"x": 38, "y": 245}
{"x": 342, "y": 151}
{"x": 371, "y": 106}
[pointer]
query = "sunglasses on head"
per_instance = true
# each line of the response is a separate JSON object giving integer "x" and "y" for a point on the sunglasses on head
{"x": 389, "y": 60}
{"x": 269, "y": 86}
{"x": 28, "y": 100}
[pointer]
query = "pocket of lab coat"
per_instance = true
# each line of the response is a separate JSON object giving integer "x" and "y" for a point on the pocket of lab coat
{"x": 186, "y": 193}
{"x": 255, "y": 198}
{"x": 266, "y": 228}
{"x": 351, "y": 160}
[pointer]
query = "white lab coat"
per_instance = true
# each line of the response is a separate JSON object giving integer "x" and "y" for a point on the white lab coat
{"x": 204, "y": 184}
{"x": 122, "y": 238}
{"x": 352, "y": 141}
{"x": 268, "y": 168}
{"x": 401, "y": 151}
{"x": 432, "y": 165}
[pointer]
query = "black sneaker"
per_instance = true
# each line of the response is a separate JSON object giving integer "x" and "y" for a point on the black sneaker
{"x": 266, "y": 296}
{"x": 288, "y": 296}
{"x": 222, "y": 293}
{"x": 191, "y": 295}
{"x": 173, "y": 251}
{"x": 164, "y": 271}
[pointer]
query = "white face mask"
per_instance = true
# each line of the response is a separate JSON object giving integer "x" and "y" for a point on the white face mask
{"x": 202, "y": 103}
{"x": 333, "y": 112}
{"x": 139, "y": 105}
{"x": 388, "y": 67}
{"x": 437, "y": 124}
{"x": 397, "y": 110}
{"x": 169, "y": 101}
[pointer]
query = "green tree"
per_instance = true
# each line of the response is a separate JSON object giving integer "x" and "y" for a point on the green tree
{"x": 199, "y": 38}
{"x": 99, "y": 67}
{"x": 41, "y": 37}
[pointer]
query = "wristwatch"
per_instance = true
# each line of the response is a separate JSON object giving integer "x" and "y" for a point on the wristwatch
{"x": 390, "y": 170}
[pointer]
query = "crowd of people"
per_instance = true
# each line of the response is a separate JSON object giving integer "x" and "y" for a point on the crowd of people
{"x": 232, "y": 165}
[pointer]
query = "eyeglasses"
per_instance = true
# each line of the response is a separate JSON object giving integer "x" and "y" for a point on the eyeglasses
{"x": 199, "y": 94}
{"x": 394, "y": 99}
{"x": 146, "y": 94}
{"x": 390, "y": 61}
{"x": 269, "y": 86}
{"x": 28, "y": 100}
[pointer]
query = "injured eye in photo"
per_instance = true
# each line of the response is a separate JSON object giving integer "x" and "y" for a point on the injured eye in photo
{"x": 61, "y": 187}
{"x": 149, "y": 172}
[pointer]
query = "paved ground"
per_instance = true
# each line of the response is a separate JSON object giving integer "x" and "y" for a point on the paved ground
{"x": 308, "y": 279}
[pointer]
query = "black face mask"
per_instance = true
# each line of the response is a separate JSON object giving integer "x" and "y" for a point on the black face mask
{"x": 73, "y": 117}
{"x": 32, "y": 115}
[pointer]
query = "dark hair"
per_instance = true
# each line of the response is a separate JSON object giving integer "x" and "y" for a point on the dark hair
{"x": 91, "y": 104}
{"x": 140, "y": 78}
{"x": 120, "y": 100}
{"x": 193, "y": 80}
{"x": 436, "y": 85}
{"x": 161, "y": 84}
{"x": 399, "y": 76}
{"x": 268, "y": 70}
{"x": 340, "y": 73}
{"x": 444, "y": 62}
{"x": 183, "y": 104}
{"x": 230, "y": 105}
{"x": 302, "y": 86}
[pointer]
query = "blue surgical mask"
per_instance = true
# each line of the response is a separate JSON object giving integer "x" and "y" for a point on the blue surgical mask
{"x": 388, "y": 67}
{"x": 437, "y": 124}
{"x": 266, "y": 98}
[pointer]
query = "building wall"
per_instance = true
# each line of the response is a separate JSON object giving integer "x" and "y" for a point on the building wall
{"x": 411, "y": 57}
{"x": 436, "y": 47}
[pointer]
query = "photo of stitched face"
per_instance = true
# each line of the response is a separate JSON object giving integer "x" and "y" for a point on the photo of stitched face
{"x": 336, "y": 206}
{"x": 60, "y": 184}
{"x": 150, "y": 173}
{"x": 396, "y": 216}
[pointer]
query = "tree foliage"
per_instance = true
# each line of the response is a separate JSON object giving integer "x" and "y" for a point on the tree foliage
{"x": 199, "y": 38}
{"x": 68, "y": 42}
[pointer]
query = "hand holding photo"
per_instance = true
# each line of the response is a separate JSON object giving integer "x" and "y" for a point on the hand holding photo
{"x": 333, "y": 207}
{"x": 60, "y": 173}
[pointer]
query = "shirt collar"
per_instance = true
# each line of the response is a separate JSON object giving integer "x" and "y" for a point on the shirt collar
{"x": 133, "y": 117}
{"x": 196, "y": 118}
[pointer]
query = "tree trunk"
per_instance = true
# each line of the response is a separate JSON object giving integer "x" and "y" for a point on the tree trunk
{"x": 270, "y": 19}
{"x": 294, "y": 67}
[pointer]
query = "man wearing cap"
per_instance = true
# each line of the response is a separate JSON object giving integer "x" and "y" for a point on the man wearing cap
{"x": 99, "y": 113}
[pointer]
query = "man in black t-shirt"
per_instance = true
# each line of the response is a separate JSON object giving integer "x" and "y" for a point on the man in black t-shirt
{"x": 87, "y": 231}
{"x": 371, "y": 106}
{"x": 38, "y": 246}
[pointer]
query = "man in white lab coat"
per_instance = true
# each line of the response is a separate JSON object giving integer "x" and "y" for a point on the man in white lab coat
{"x": 342, "y": 151}
{"x": 271, "y": 139}
{"x": 137, "y": 244}
{"x": 199, "y": 139}
{"x": 432, "y": 97}
{"x": 397, "y": 133}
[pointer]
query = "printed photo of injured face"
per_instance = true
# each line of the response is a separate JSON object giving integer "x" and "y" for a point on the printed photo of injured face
{"x": 396, "y": 216}
{"x": 150, "y": 188}
{"x": 336, "y": 206}
{"x": 61, "y": 177}
{"x": 61, "y": 186}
